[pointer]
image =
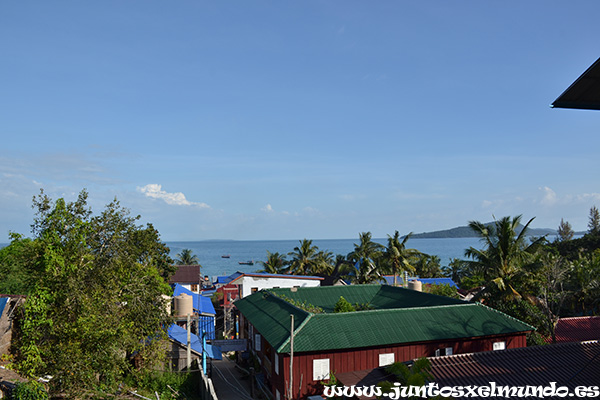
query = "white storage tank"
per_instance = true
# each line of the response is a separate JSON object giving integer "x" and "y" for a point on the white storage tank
{"x": 415, "y": 285}
{"x": 183, "y": 304}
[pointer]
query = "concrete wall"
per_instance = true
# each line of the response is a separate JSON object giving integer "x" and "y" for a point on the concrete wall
{"x": 248, "y": 282}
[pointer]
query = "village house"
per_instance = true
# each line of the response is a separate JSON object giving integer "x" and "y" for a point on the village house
{"x": 568, "y": 365}
{"x": 395, "y": 324}
{"x": 190, "y": 277}
{"x": 251, "y": 282}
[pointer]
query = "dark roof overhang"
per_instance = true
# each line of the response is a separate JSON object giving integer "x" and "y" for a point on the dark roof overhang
{"x": 584, "y": 93}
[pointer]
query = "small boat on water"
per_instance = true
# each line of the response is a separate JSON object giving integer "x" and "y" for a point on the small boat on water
{"x": 226, "y": 256}
{"x": 246, "y": 262}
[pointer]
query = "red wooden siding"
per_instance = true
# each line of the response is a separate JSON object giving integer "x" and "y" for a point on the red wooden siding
{"x": 359, "y": 359}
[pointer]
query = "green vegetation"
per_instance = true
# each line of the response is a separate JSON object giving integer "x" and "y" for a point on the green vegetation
{"x": 343, "y": 306}
{"x": 524, "y": 276}
{"x": 95, "y": 286}
{"x": 168, "y": 385}
{"x": 31, "y": 390}
{"x": 186, "y": 257}
{"x": 301, "y": 305}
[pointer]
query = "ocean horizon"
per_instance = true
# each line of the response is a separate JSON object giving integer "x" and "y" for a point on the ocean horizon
{"x": 210, "y": 252}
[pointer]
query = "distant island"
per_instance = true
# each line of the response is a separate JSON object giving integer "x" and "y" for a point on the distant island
{"x": 467, "y": 232}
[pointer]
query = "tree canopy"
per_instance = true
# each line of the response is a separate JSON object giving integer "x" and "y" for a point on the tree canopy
{"x": 96, "y": 296}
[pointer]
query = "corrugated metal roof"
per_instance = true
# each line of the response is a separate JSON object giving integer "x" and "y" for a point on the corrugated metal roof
{"x": 401, "y": 316}
{"x": 568, "y": 364}
{"x": 584, "y": 93}
{"x": 378, "y": 296}
{"x": 179, "y": 335}
{"x": 201, "y": 304}
{"x": 577, "y": 329}
{"x": 271, "y": 316}
{"x": 186, "y": 274}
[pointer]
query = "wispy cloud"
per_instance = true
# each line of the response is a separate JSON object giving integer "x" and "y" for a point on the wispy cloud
{"x": 549, "y": 197}
{"x": 155, "y": 191}
{"x": 268, "y": 208}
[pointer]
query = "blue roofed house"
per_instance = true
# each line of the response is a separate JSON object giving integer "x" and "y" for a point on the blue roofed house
{"x": 204, "y": 311}
{"x": 178, "y": 336}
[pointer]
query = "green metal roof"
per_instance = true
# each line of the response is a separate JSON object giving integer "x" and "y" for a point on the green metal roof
{"x": 400, "y": 316}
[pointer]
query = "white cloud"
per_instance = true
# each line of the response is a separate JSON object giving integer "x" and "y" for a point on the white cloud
{"x": 267, "y": 208}
{"x": 550, "y": 197}
{"x": 155, "y": 191}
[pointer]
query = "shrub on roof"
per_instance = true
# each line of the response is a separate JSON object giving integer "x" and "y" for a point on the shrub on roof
{"x": 343, "y": 305}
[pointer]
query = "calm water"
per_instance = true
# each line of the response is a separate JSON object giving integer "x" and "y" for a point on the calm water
{"x": 209, "y": 252}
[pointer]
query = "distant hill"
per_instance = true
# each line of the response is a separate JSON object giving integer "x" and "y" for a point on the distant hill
{"x": 467, "y": 232}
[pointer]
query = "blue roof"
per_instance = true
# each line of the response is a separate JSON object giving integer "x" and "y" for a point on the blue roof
{"x": 425, "y": 281}
{"x": 179, "y": 335}
{"x": 3, "y": 301}
{"x": 202, "y": 304}
{"x": 223, "y": 280}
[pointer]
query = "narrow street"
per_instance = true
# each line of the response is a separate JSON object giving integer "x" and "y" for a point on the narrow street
{"x": 229, "y": 382}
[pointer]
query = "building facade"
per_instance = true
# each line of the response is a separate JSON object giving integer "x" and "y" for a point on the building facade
{"x": 394, "y": 324}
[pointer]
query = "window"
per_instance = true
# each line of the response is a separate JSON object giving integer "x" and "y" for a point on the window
{"x": 499, "y": 345}
{"x": 438, "y": 353}
{"x": 321, "y": 369}
{"x": 276, "y": 363}
{"x": 194, "y": 287}
{"x": 448, "y": 351}
{"x": 257, "y": 342}
{"x": 277, "y": 395}
{"x": 386, "y": 359}
{"x": 253, "y": 290}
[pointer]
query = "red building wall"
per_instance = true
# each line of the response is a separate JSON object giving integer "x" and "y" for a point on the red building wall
{"x": 357, "y": 359}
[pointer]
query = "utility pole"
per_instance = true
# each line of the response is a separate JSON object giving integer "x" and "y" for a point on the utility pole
{"x": 189, "y": 342}
{"x": 290, "y": 394}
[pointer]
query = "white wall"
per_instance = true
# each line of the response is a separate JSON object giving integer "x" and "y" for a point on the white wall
{"x": 249, "y": 282}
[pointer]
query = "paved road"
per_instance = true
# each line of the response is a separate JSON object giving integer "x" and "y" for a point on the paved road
{"x": 228, "y": 381}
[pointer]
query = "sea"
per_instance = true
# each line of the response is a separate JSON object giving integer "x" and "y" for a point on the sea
{"x": 210, "y": 252}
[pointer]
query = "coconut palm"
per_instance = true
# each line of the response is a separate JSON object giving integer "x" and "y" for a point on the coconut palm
{"x": 367, "y": 249}
{"x": 275, "y": 263}
{"x": 186, "y": 257}
{"x": 397, "y": 256}
{"x": 504, "y": 254}
{"x": 304, "y": 258}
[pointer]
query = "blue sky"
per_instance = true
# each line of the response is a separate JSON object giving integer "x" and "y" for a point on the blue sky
{"x": 290, "y": 120}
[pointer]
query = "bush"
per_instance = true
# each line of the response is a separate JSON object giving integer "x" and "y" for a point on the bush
{"x": 31, "y": 390}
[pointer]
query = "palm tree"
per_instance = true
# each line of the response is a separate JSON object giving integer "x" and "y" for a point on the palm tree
{"x": 397, "y": 255}
{"x": 304, "y": 258}
{"x": 275, "y": 263}
{"x": 365, "y": 258}
{"x": 366, "y": 250}
{"x": 186, "y": 257}
{"x": 504, "y": 254}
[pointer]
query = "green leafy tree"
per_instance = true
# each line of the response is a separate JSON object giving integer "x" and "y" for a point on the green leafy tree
{"x": 343, "y": 306}
{"x": 187, "y": 257}
{"x": 504, "y": 254}
{"x": 594, "y": 221}
{"x": 417, "y": 375}
{"x": 14, "y": 266}
{"x": 565, "y": 231}
{"x": 396, "y": 256}
{"x": 31, "y": 390}
{"x": 427, "y": 266}
{"x": 275, "y": 263}
{"x": 96, "y": 299}
{"x": 442, "y": 290}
